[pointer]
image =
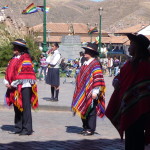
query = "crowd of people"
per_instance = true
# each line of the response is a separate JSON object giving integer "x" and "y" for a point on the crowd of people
{"x": 128, "y": 108}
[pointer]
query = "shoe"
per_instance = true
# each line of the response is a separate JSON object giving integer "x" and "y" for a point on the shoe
{"x": 25, "y": 133}
{"x": 16, "y": 132}
{"x": 52, "y": 98}
{"x": 82, "y": 132}
{"x": 88, "y": 133}
{"x": 55, "y": 99}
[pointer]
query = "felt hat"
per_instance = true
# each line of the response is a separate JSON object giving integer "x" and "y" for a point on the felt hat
{"x": 140, "y": 39}
{"x": 93, "y": 47}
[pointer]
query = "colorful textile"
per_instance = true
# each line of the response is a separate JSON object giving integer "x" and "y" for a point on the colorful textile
{"x": 41, "y": 8}
{"x": 132, "y": 100}
{"x": 92, "y": 30}
{"x": 30, "y": 9}
{"x": 20, "y": 69}
{"x": 89, "y": 77}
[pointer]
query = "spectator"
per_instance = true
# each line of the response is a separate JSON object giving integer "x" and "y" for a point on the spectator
{"x": 63, "y": 65}
{"x": 110, "y": 65}
{"x": 53, "y": 77}
{"x": 116, "y": 64}
{"x": 43, "y": 66}
{"x": 82, "y": 59}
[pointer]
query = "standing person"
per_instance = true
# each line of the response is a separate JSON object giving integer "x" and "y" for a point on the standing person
{"x": 88, "y": 98}
{"x": 43, "y": 66}
{"x": 20, "y": 81}
{"x": 110, "y": 65}
{"x": 53, "y": 77}
{"x": 82, "y": 59}
{"x": 116, "y": 64}
{"x": 129, "y": 106}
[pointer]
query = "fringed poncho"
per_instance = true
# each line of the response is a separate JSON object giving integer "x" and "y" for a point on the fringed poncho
{"x": 90, "y": 77}
{"x": 132, "y": 99}
{"x": 20, "y": 69}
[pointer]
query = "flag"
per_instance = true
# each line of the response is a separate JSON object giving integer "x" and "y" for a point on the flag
{"x": 5, "y": 7}
{"x": 42, "y": 8}
{"x": 30, "y": 9}
{"x": 92, "y": 30}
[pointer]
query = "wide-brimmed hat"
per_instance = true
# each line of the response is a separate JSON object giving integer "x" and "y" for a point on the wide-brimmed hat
{"x": 140, "y": 39}
{"x": 93, "y": 47}
{"x": 20, "y": 42}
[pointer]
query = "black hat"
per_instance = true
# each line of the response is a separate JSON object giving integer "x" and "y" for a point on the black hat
{"x": 140, "y": 39}
{"x": 20, "y": 42}
{"x": 93, "y": 47}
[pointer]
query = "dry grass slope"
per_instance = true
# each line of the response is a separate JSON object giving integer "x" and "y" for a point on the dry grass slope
{"x": 117, "y": 14}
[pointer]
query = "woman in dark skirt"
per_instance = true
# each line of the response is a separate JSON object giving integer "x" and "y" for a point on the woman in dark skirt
{"x": 53, "y": 78}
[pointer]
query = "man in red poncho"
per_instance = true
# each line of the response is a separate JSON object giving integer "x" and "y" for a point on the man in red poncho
{"x": 88, "y": 100}
{"x": 20, "y": 81}
{"x": 129, "y": 106}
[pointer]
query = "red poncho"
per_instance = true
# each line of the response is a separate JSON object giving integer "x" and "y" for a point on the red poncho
{"x": 132, "y": 100}
{"x": 20, "y": 69}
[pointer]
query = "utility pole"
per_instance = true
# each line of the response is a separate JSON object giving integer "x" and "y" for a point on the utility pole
{"x": 100, "y": 28}
{"x": 44, "y": 28}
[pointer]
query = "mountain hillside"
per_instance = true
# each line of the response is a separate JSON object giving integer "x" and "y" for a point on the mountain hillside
{"x": 117, "y": 14}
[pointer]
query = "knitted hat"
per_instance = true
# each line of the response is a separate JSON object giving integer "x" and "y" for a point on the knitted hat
{"x": 20, "y": 42}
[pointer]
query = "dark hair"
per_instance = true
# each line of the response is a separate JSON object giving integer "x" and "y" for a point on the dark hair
{"x": 141, "y": 54}
{"x": 21, "y": 49}
{"x": 91, "y": 53}
{"x": 81, "y": 53}
{"x": 56, "y": 44}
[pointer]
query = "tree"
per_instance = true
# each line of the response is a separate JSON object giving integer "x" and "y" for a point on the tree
{"x": 8, "y": 34}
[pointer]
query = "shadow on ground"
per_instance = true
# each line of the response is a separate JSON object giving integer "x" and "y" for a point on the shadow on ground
{"x": 46, "y": 98}
{"x": 8, "y": 128}
{"x": 75, "y": 129}
{"x": 99, "y": 144}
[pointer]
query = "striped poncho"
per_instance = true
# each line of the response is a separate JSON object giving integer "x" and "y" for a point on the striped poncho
{"x": 90, "y": 77}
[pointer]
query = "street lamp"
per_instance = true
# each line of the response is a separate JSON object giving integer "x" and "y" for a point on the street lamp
{"x": 44, "y": 27}
{"x": 100, "y": 28}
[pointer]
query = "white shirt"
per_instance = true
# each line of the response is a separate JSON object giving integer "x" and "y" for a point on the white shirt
{"x": 53, "y": 59}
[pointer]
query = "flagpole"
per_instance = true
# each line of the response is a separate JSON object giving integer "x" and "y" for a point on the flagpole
{"x": 44, "y": 28}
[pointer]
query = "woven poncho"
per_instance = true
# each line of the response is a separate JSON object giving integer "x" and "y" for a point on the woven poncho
{"x": 132, "y": 99}
{"x": 90, "y": 77}
{"x": 20, "y": 69}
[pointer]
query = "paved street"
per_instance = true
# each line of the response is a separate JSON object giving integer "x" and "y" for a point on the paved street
{"x": 65, "y": 96}
{"x": 54, "y": 126}
{"x": 57, "y": 130}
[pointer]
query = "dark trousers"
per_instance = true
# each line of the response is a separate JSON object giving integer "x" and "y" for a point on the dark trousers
{"x": 90, "y": 122}
{"x": 23, "y": 120}
{"x": 134, "y": 136}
